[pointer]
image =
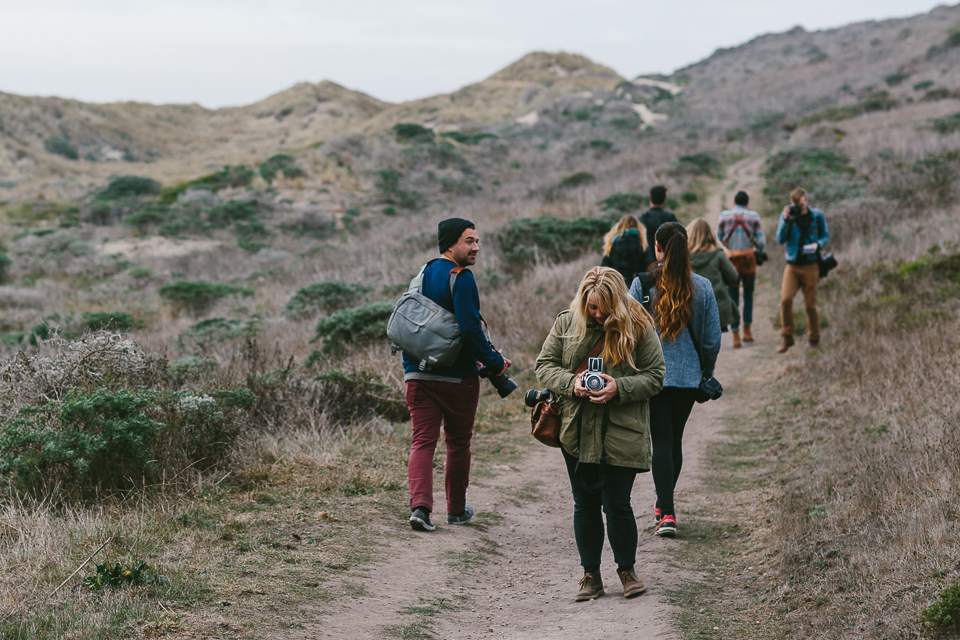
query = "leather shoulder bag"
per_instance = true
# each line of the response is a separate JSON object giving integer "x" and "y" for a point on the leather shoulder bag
{"x": 545, "y": 417}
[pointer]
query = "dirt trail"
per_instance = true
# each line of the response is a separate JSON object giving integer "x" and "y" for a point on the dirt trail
{"x": 525, "y": 588}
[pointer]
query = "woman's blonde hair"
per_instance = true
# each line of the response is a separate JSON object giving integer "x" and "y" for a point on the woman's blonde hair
{"x": 624, "y": 223}
{"x": 626, "y": 323}
{"x": 700, "y": 237}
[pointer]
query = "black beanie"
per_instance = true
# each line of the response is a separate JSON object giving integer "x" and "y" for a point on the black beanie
{"x": 450, "y": 230}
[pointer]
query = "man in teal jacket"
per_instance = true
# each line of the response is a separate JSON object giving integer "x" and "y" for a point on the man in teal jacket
{"x": 803, "y": 230}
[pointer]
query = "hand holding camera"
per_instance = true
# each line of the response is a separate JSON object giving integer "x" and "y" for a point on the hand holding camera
{"x": 594, "y": 384}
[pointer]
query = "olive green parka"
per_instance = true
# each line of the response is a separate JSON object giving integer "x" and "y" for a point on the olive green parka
{"x": 716, "y": 267}
{"x": 628, "y": 425}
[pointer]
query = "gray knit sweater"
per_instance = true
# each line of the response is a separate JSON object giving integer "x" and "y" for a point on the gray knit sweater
{"x": 683, "y": 365}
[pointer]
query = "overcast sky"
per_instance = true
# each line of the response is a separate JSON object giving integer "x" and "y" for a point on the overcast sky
{"x": 233, "y": 52}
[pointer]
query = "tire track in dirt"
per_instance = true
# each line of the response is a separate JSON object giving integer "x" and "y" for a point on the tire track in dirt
{"x": 514, "y": 572}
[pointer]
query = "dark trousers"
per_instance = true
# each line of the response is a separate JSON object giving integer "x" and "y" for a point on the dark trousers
{"x": 749, "y": 282}
{"x": 614, "y": 498}
{"x": 669, "y": 411}
{"x": 455, "y": 406}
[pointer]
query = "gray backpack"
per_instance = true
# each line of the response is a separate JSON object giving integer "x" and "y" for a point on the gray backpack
{"x": 423, "y": 329}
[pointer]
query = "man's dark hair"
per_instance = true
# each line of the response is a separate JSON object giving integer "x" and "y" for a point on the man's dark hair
{"x": 658, "y": 195}
{"x": 741, "y": 198}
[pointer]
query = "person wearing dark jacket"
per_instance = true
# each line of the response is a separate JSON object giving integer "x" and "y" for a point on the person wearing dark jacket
{"x": 448, "y": 395}
{"x": 624, "y": 249}
{"x": 708, "y": 259}
{"x": 655, "y": 216}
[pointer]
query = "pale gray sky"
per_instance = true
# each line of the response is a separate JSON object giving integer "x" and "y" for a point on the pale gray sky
{"x": 233, "y": 52}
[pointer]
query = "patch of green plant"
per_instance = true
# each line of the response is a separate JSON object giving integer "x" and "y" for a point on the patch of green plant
{"x": 232, "y": 211}
{"x": 230, "y": 176}
{"x": 922, "y": 86}
{"x": 943, "y": 615}
{"x": 768, "y": 120}
{"x": 600, "y": 145}
{"x": 689, "y": 197}
{"x": 409, "y": 132}
{"x": 61, "y": 147}
{"x": 249, "y": 244}
{"x": 192, "y": 368}
{"x": 700, "y": 164}
{"x": 359, "y": 325}
{"x": 578, "y": 179}
{"x": 872, "y": 101}
{"x": 947, "y": 124}
{"x": 134, "y": 573}
{"x": 935, "y": 95}
{"x": 198, "y": 296}
{"x": 282, "y": 164}
{"x": 152, "y": 214}
{"x": 220, "y": 329}
{"x": 326, "y": 297}
{"x": 114, "y": 321}
{"x": 468, "y": 138}
{"x": 360, "y": 393}
{"x": 129, "y": 186}
{"x": 5, "y": 264}
{"x": 465, "y": 186}
{"x": 953, "y": 40}
{"x": 897, "y": 78}
{"x": 826, "y": 174}
{"x": 624, "y": 202}
{"x": 522, "y": 242}
{"x": 388, "y": 186}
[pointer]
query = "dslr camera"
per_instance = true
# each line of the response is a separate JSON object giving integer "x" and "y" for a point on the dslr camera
{"x": 591, "y": 377}
{"x": 534, "y": 397}
{"x": 504, "y": 384}
{"x": 794, "y": 212}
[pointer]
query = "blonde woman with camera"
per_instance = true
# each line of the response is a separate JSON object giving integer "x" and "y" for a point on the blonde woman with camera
{"x": 605, "y": 418}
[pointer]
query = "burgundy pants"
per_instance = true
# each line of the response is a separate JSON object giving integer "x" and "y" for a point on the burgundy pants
{"x": 455, "y": 405}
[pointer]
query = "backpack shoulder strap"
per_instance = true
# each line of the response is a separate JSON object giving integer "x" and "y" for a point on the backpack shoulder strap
{"x": 453, "y": 278}
{"x": 417, "y": 281}
{"x": 646, "y": 284}
{"x": 738, "y": 221}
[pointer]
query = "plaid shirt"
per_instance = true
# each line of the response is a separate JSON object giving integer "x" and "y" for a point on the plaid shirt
{"x": 739, "y": 240}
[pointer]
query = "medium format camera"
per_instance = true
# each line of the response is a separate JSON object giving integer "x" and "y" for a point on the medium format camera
{"x": 535, "y": 396}
{"x": 591, "y": 377}
{"x": 761, "y": 256}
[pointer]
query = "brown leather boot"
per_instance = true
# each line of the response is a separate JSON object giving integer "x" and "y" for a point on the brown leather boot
{"x": 785, "y": 343}
{"x": 736, "y": 340}
{"x": 631, "y": 583}
{"x": 591, "y": 587}
{"x": 747, "y": 336}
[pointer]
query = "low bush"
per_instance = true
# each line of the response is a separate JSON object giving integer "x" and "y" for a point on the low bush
{"x": 115, "y": 321}
{"x": 359, "y": 325}
{"x": 130, "y": 186}
{"x": 600, "y": 145}
{"x": 5, "y": 264}
{"x": 231, "y": 211}
{"x": 579, "y": 179}
{"x": 929, "y": 182}
{"x": 362, "y": 393}
{"x": 326, "y": 297}
{"x": 409, "y": 132}
{"x": 230, "y": 176}
{"x": 810, "y": 167}
{"x": 525, "y": 241}
{"x": 935, "y": 95}
{"x": 199, "y": 296}
{"x": 465, "y": 186}
{"x": 624, "y": 202}
{"x": 135, "y": 573}
{"x": 212, "y": 330}
{"x": 947, "y": 124}
{"x": 699, "y": 164}
{"x": 61, "y": 147}
{"x": 281, "y": 164}
{"x": 870, "y": 102}
{"x": 153, "y": 214}
{"x": 943, "y": 616}
{"x": 468, "y": 138}
{"x": 388, "y": 185}
{"x": 897, "y": 78}
{"x": 312, "y": 225}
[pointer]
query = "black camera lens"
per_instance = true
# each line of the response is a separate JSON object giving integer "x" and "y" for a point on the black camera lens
{"x": 796, "y": 210}
{"x": 534, "y": 396}
{"x": 504, "y": 385}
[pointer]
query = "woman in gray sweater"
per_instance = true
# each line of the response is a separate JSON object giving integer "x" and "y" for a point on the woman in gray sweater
{"x": 688, "y": 323}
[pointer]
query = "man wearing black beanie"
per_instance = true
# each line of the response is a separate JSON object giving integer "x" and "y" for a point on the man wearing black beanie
{"x": 448, "y": 395}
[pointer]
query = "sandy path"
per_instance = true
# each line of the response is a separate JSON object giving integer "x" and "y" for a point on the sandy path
{"x": 525, "y": 589}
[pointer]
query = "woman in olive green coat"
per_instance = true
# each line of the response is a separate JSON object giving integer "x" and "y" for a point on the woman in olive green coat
{"x": 708, "y": 259}
{"x": 605, "y": 433}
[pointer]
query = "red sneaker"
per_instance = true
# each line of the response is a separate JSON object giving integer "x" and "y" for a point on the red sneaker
{"x": 667, "y": 527}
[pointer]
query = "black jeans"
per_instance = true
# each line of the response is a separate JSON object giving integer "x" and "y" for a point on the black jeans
{"x": 614, "y": 498}
{"x": 669, "y": 411}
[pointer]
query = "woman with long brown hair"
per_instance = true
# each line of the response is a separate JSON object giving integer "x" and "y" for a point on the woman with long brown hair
{"x": 625, "y": 248}
{"x": 708, "y": 259}
{"x": 685, "y": 314}
{"x": 604, "y": 433}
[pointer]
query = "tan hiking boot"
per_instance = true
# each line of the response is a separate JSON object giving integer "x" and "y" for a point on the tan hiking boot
{"x": 591, "y": 587}
{"x": 785, "y": 343}
{"x": 747, "y": 336}
{"x": 631, "y": 584}
{"x": 736, "y": 340}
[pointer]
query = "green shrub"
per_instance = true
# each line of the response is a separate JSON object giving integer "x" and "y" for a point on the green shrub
{"x": 953, "y": 40}
{"x": 223, "y": 215}
{"x": 192, "y": 368}
{"x": 935, "y": 95}
{"x": 230, "y": 176}
{"x": 249, "y": 244}
{"x": 326, "y": 297}
{"x": 152, "y": 214}
{"x": 388, "y": 185}
{"x": 943, "y": 616}
{"x": 89, "y": 440}
{"x": 199, "y": 296}
{"x": 894, "y": 79}
{"x": 141, "y": 272}
{"x": 361, "y": 393}
{"x": 522, "y": 241}
{"x": 600, "y": 145}
{"x": 312, "y": 225}
{"x": 689, "y": 197}
{"x": 921, "y": 86}
{"x": 467, "y": 138}
{"x": 465, "y": 186}
{"x": 826, "y": 174}
{"x": 213, "y": 330}
{"x": 277, "y": 164}
{"x": 873, "y": 101}
{"x": 115, "y": 321}
{"x": 579, "y": 179}
{"x": 353, "y": 326}
{"x": 409, "y": 132}
{"x": 61, "y": 147}
{"x": 129, "y": 186}
{"x": 5, "y": 263}
{"x": 624, "y": 202}
{"x": 947, "y": 124}
{"x": 700, "y": 164}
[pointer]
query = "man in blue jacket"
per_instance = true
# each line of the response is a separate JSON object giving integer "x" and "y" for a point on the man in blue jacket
{"x": 803, "y": 230}
{"x": 448, "y": 395}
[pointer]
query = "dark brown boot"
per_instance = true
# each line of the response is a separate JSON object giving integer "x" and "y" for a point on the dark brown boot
{"x": 591, "y": 587}
{"x": 785, "y": 343}
{"x": 631, "y": 583}
{"x": 736, "y": 339}
{"x": 747, "y": 336}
